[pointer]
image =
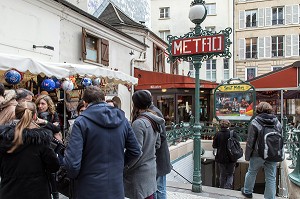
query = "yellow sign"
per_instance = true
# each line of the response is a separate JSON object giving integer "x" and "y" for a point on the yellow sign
{"x": 234, "y": 88}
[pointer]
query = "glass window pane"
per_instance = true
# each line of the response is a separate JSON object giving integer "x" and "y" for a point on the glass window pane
{"x": 214, "y": 76}
{"x": 208, "y": 77}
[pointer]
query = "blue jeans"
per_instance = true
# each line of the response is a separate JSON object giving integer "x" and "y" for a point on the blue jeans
{"x": 270, "y": 176}
{"x": 161, "y": 192}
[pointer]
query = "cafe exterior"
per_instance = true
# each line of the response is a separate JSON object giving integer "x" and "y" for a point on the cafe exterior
{"x": 174, "y": 95}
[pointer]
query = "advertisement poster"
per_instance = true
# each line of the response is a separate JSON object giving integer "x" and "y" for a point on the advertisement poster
{"x": 234, "y": 102}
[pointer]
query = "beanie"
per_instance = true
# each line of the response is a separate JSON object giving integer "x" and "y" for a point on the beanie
{"x": 142, "y": 99}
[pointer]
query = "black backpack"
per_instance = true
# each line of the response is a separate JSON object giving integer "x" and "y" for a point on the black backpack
{"x": 234, "y": 148}
{"x": 270, "y": 143}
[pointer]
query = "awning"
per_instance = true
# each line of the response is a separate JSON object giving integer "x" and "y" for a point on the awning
{"x": 155, "y": 80}
{"x": 62, "y": 70}
{"x": 284, "y": 78}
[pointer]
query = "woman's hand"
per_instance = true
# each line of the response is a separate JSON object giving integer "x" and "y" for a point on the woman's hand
{"x": 41, "y": 121}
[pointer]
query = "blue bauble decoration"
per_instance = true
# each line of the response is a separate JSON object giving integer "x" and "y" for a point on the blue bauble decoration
{"x": 12, "y": 77}
{"x": 48, "y": 85}
{"x": 86, "y": 82}
{"x": 57, "y": 82}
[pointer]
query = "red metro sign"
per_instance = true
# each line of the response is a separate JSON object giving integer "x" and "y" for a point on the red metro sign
{"x": 198, "y": 45}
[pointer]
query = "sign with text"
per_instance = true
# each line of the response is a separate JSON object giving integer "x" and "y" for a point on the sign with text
{"x": 198, "y": 45}
{"x": 235, "y": 88}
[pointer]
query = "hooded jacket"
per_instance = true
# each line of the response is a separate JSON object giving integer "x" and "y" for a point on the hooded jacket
{"x": 95, "y": 155}
{"x": 140, "y": 174}
{"x": 253, "y": 129}
{"x": 23, "y": 172}
{"x": 8, "y": 105}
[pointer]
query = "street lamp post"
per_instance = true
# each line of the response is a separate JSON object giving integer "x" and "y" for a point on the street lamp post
{"x": 196, "y": 47}
{"x": 197, "y": 15}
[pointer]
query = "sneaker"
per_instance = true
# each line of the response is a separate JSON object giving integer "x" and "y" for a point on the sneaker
{"x": 247, "y": 195}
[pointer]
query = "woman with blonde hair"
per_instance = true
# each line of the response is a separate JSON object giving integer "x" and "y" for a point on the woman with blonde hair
{"x": 47, "y": 112}
{"x": 26, "y": 156}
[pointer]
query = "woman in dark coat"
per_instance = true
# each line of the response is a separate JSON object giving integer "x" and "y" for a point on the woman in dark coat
{"x": 26, "y": 157}
{"x": 226, "y": 166}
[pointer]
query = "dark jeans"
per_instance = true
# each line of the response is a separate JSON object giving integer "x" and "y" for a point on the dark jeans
{"x": 226, "y": 175}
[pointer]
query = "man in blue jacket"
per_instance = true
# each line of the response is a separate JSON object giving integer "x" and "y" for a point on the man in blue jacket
{"x": 95, "y": 155}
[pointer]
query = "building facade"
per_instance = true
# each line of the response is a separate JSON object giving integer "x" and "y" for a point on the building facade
{"x": 171, "y": 18}
{"x": 76, "y": 37}
{"x": 266, "y": 36}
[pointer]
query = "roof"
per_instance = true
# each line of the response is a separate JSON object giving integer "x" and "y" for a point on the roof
{"x": 155, "y": 80}
{"x": 116, "y": 17}
{"x": 286, "y": 77}
{"x": 99, "y": 21}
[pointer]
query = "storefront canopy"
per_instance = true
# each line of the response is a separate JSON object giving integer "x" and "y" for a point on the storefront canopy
{"x": 155, "y": 80}
{"x": 62, "y": 70}
{"x": 284, "y": 78}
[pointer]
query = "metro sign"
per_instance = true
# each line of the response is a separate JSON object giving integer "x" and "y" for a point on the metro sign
{"x": 198, "y": 45}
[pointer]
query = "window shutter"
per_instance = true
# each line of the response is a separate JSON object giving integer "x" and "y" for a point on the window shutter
{"x": 295, "y": 14}
{"x": 241, "y": 49}
{"x": 268, "y": 18}
{"x": 288, "y": 45}
{"x": 154, "y": 57}
{"x": 288, "y": 14}
{"x": 260, "y": 17}
{"x": 295, "y": 47}
{"x": 83, "y": 44}
{"x": 261, "y": 47}
{"x": 268, "y": 47}
{"x": 104, "y": 52}
{"x": 242, "y": 19}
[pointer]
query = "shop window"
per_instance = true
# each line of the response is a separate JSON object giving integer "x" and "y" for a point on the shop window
{"x": 165, "y": 103}
{"x": 95, "y": 49}
{"x": 184, "y": 108}
{"x": 158, "y": 59}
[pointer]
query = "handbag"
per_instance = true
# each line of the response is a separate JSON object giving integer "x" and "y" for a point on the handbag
{"x": 63, "y": 182}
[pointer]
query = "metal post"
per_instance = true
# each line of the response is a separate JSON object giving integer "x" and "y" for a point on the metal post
{"x": 197, "y": 181}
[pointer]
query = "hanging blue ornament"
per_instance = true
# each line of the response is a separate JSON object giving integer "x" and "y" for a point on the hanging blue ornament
{"x": 48, "y": 85}
{"x": 86, "y": 82}
{"x": 12, "y": 77}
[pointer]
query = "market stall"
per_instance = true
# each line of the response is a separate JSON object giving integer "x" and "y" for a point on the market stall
{"x": 64, "y": 80}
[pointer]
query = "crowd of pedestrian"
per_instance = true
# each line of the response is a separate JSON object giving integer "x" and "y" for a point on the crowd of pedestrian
{"x": 106, "y": 155}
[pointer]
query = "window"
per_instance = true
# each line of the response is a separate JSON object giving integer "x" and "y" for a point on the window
{"x": 251, "y": 18}
{"x": 251, "y": 48}
{"x": 211, "y": 72}
{"x": 158, "y": 59}
{"x": 164, "y": 13}
{"x": 174, "y": 67}
{"x": 277, "y": 16}
{"x": 277, "y": 46}
{"x": 95, "y": 49}
{"x": 226, "y": 69}
{"x": 211, "y": 28}
{"x": 250, "y": 73}
{"x": 163, "y": 34}
{"x": 211, "y": 8}
{"x": 276, "y": 68}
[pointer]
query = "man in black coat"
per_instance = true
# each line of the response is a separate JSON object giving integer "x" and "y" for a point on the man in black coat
{"x": 163, "y": 163}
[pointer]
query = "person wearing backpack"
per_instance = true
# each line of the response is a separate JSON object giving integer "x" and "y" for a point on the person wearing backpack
{"x": 264, "y": 123}
{"x": 225, "y": 164}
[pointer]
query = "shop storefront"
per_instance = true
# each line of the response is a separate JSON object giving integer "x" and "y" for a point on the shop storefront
{"x": 174, "y": 95}
{"x": 281, "y": 89}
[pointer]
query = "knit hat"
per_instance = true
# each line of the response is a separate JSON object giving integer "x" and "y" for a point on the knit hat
{"x": 142, "y": 99}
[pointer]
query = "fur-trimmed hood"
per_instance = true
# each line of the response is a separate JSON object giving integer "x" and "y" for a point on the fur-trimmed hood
{"x": 36, "y": 136}
{"x": 8, "y": 99}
